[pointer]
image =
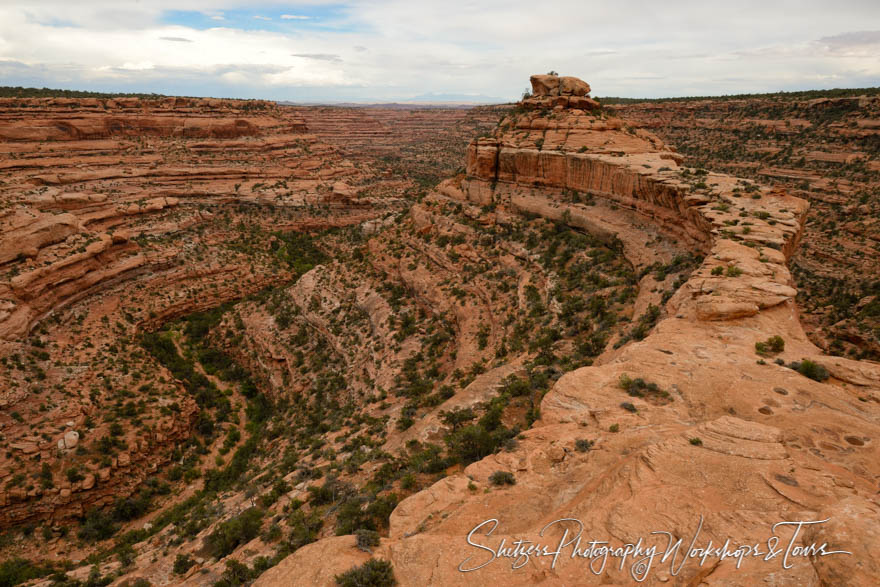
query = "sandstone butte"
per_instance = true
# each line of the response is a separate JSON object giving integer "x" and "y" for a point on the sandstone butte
{"x": 773, "y": 445}
{"x": 148, "y": 210}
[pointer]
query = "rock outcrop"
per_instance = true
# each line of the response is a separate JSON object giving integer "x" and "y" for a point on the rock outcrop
{"x": 551, "y": 90}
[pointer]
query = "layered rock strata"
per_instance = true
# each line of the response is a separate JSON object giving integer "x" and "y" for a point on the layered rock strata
{"x": 118, "y": 215}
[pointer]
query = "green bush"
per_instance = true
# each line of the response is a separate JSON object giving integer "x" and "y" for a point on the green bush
{"x": 773, "y": 345}
{"x": 373, "y": 573}
{"x": 366, "y": 539}
{"x": 810, "y": 369}
{"x": 236, "y": 574}
{"x": 638, "y": 387}
{"x": 471, "y": 444}
{"x": 583, "y": 445}
{"x": 182, "y": 564}
{"x": 234, "y": 532}
{"x": 303, "y": 528}
{"x": 455, "y": 418}
{"x": 19, "y": 570}
{"x": 97, "y": 526}
{"x": 502, "y": 478}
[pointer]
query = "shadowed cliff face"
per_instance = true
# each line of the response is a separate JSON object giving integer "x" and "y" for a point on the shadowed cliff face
{"x": 690, "y": 421}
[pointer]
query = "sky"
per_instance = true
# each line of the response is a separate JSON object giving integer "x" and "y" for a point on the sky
{"x": 396, "y": 50}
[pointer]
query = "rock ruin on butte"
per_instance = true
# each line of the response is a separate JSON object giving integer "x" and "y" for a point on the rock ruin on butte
{"x": 239, "y": 349}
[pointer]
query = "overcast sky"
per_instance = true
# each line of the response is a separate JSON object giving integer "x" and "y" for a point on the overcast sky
{"x": 362, "y": 50}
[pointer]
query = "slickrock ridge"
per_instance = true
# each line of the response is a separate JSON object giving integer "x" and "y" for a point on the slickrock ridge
{"x": 116, "y": 216}
{"x": 824, "y": 150}
{"x": 742, "y": 441}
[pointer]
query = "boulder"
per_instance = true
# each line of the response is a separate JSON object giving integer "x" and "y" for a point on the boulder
{"x": 573, "y": 86}
{"x": 545, "y": 85}
{"x": 582, "y": 103}
{"x": 69, "y": 440}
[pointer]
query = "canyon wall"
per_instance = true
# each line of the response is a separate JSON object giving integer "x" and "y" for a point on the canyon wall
{"x": 116, "y": 216}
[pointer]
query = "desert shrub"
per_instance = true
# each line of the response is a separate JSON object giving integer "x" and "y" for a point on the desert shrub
{"x": 329, "y": 492}
{"x": 97, "y": 526}
{"x": 351, "y": 517}
{"x": 373, "y": 573}
{"x": 381, "y": 507}
{"x": 234, "y": 532}
{"x": 19, "y": 570}
{"x": 236, "y": 574}
{"x": 182, "y": 564}
{"x": 638, "y": 387}
{"x": 366, "y": 539}
{"x": 774, "y": 344}
{"x": 470, "y": 444}
{"x": 129, "y": 508}
{"x": 810, "y": 369}
{"x": 457, "y": 417}
{"x": 304, "y": 528}
{"x": 502, "y": 478}
{"x": 583, "y": 445}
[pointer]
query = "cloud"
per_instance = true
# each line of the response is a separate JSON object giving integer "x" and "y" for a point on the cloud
{"x": 319, "y": 56}
{"x": 139, "y": 66}
{"x": 851, "y": 44}
{"x": 455, "y": 47}
{"x": 851, "y": 39}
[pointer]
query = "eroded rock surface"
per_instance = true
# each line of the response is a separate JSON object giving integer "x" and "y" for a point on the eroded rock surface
{"x": 115, "y": 216}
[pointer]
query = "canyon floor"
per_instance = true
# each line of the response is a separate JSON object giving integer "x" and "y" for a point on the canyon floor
{"x": 250, "y": 343}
